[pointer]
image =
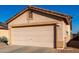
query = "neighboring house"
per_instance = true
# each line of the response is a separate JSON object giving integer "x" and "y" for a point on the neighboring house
{"x": 39, "y": 27}
{"x": 3, "y": 26}
{"x": 4, "y": 32}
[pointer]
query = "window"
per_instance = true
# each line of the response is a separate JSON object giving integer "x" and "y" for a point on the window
{"x": 30, "y": 15}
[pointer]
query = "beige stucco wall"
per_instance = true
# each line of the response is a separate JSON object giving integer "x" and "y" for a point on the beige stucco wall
{"x": 66, "y": 33}
{"x": 24, "y": 20}
{"x": 60, "y": 39}
{"x": 69, "y": 33}
{"x": 40, "y": 18}
{"x": 62, "y": 36}
{"x": 5, "y": 33}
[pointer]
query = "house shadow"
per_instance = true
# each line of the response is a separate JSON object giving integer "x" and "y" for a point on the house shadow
{"x": 74, "y": 42}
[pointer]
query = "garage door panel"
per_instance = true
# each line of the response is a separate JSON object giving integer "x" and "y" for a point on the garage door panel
{"x": 35, "y": 36}
{"x": 34, "y": 44}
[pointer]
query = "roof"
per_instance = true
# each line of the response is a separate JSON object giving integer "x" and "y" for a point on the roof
{"x": 3, "y": 26}
{"x": 66, "y": 18}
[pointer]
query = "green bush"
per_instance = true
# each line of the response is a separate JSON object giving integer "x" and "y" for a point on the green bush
{"x": 0, "y": 39}
{"x": 4, "y": 40}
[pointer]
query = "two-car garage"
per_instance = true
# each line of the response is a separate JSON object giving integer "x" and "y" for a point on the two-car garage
{"x": 42, "y": 36}
{"x": 38, "y": 27}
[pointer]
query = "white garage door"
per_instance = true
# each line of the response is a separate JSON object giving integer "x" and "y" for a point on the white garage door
{"x": 42, "y": 36}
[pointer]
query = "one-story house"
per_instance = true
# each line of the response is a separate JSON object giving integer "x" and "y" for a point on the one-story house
{"x": 35, "y": 26}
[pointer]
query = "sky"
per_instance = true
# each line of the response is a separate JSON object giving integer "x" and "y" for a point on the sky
{"x": 8, "y": 11}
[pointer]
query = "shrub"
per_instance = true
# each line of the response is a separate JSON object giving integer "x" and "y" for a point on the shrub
{"x": 0, "y": 39}
{"x": 4, "y": 40}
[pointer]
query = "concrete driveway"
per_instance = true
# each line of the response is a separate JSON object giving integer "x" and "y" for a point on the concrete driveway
{"x": 30, "y": 49}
